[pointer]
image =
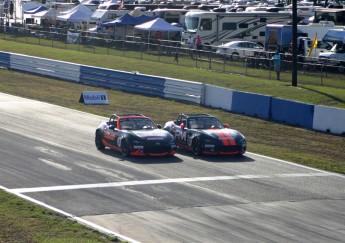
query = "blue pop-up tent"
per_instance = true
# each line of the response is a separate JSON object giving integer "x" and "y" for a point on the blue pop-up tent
{"x": 35, "y": 10}
{"x": 128, "y": 19}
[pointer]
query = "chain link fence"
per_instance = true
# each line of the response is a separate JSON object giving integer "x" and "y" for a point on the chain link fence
{"x": 177, "y": 53}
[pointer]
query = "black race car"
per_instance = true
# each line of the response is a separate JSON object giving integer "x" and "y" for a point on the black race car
{"x": 134, "y": 134}
{"x": 205, "y": 134}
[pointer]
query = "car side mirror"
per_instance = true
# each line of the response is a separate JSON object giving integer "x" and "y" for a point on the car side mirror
{"x": 159, "y": 126}
{"x": 182, "y": 126}
{"x": 226, "y": 125}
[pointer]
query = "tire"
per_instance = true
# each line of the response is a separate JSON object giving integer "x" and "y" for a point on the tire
{"x": 98, "y": 141}
{"x": 125, "y": 150}
{"x": 235, "y": 56}
{"x": 196, "y": 146}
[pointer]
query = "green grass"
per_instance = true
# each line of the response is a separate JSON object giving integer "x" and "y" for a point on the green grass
{"x": 21, "y": 221}
{"x": 309, "y": 90}
{"x": 306, "y": 147}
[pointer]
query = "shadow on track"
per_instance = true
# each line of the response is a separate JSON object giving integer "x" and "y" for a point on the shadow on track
{"x": 217, "y": 158}
{"x": 142, "y": 159}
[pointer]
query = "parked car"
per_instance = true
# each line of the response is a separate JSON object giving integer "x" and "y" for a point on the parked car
{"x": 205, "y": 134}
{"x": 237, "y": 49}
{"x": 134, "y": 134}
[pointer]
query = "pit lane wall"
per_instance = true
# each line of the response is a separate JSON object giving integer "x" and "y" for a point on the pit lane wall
{"x": 304, "y": 115}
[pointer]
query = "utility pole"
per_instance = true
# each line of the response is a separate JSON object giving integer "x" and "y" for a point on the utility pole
{"x": 294, "y": 43}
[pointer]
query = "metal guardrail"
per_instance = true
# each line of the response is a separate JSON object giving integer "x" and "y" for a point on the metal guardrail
{"x": 184, "y": 90}
{"x": 109, "y": 78}
{"x": 45, "y": 67}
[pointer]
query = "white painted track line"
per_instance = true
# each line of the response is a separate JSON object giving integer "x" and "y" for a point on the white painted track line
{"x": 161, "y": 181}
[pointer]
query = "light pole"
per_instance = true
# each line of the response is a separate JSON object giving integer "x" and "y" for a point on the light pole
{"x": 294, "y": 43}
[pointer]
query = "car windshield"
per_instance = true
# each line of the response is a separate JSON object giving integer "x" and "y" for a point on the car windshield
{"x": 204, "y": 123}
{"x": 191, "y": 23}
{"x": 137, "y": 124}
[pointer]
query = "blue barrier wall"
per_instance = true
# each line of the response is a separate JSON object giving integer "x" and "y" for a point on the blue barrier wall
{"x": 5, "y": 59}
{"x": 132, "y": 82}
{"x": 251, "y": 104}
{"x": 292, "y": 112}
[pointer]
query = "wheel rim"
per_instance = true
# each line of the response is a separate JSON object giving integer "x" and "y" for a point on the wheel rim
{"x": 235, "y": 56}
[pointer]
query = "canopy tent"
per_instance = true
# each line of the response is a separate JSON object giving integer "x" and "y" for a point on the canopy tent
{"x": 51, "y": 13}
{"x": 125, "y": 23}
{"x": 335, "y": 35}
{"x": 125, "y": 19}
{"x": 35, "y": 10}
{"x": 145, "y": 18}
{"x": 79, "y": 13}
{"x": 158, "y": 25}
{"x": 128, "y": 19}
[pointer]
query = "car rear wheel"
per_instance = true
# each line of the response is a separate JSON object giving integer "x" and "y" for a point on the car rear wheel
{"x": 196, "y": 146}
{"x": 98, "y": 141}
{"x": 125, "y": 150}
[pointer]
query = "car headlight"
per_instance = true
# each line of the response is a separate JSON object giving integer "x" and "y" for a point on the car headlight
{"x": 243, "y": 142}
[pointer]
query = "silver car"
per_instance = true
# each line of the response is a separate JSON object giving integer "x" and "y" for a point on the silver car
{"x": 237, "y": 49}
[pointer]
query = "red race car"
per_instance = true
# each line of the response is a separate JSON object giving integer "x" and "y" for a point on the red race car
{"x": 205, "y": 134}
{"x": 134, "y": 134}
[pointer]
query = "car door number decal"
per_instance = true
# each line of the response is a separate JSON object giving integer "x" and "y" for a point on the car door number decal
{"x": 182, "y": 136}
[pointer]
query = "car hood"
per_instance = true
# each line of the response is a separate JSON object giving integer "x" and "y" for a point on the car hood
{"x": 223, "y": 134}
{"x": 327, "y": 55}
{"x": 155, "y": 134}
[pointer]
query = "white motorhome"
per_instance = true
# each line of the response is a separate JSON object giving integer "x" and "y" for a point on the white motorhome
{"x": 215, "y": 28}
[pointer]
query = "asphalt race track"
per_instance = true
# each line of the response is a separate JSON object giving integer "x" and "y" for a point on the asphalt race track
{"x": 48, "y": 156}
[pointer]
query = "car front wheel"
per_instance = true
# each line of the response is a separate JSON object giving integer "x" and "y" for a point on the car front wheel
{"x": 196, "y": 146}
{"x": 98, "y": 141}
{"x": 125, "y": 150}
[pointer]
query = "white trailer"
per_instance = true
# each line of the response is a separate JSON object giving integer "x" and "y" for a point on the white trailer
{"x": 215, "y": 28}
{"x": 317, "y": 29}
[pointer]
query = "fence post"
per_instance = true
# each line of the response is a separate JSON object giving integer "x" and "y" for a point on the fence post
{"x": 159, "y": 51}
{"x": 209, "y": 59}
{"x": 65, "y": 40}
{"x": 321, "y": 74}
{"x": 270, "y": 69}
{"x": 196, "y": 60}
{"x": 224, "y": 62}
{"x": 94, "y": 45}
